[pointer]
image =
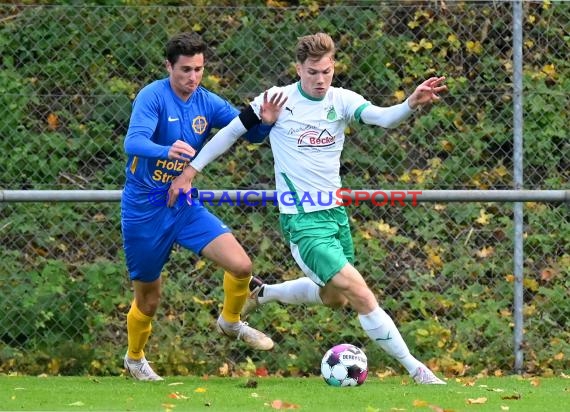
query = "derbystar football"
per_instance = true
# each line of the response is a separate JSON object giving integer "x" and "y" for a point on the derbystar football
{"x": 344, "y": 365}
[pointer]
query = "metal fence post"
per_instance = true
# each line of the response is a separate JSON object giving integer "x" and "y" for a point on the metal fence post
{"x": 518, "y": 182}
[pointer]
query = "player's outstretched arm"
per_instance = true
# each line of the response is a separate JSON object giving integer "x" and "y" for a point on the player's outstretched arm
{"x": 390, "y": 117}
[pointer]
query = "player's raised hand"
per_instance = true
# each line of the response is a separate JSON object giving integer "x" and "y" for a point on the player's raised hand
{"x": 181, "y": 185}
{"x": 181, "y": 150}
{"x": 270, "y": 109}
{"x": 428, "y": 92}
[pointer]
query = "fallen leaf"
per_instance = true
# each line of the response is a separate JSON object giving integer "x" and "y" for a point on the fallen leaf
{"x": 484, "y": 218}
{"x": 78, "y": 403}
{"x": 224, "y": 370}
{"x": 279, "y": 404}
{"x": 504, "y": 408}
{"x": 200, "y": 390}
{"x": 176, "y": 383}
{"x": 177, "y": 395}
{"x": 514, "y": 397}
{"x": 254, "y": 395}
{"x": 535, "y": 382}
{"x": 485, "y": 252}
{"x": 419, "y": 404}
{"x": 547, "y": 274}
{"x": 52, "y": 121}
{"x": 476, "y": 401}
{"x": 261, "y": 371}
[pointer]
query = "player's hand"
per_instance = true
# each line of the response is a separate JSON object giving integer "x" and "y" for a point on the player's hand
{"x": 428, "y": 92}
{"x": 181, "y": 185}
{"x": 181, "y": 150}
{"x": 270, "y": 109}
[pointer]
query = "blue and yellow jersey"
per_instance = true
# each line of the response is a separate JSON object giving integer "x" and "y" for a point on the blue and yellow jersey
{"x": 159, "y": 118}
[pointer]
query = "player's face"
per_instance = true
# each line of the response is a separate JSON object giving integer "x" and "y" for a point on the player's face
{"x": 316, "y": 75}
{"x": 186, "y": 74}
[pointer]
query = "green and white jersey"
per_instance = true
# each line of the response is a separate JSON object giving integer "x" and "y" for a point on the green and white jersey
{"x": 307, "y": 141}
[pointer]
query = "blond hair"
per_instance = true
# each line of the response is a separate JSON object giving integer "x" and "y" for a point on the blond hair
{"x": 314, "y": 46}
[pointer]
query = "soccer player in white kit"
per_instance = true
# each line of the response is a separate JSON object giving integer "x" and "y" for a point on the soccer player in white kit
{"x": 307, "y": 140}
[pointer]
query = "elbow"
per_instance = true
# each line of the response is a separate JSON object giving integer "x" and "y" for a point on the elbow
{"x": 127, "y": 146}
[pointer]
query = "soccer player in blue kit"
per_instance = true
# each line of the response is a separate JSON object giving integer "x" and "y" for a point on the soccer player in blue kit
{"x": 169, "y": 122}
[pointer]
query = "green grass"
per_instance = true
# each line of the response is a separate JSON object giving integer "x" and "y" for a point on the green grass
{"x": 26, "y": 393}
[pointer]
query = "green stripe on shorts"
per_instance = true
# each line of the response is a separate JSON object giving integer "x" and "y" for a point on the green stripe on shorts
{"x": 320, "y": 242}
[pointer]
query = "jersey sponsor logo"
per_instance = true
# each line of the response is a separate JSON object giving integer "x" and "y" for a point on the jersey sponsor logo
{"x": 173, "y": 119}
{"x": 167, "y": 170}
{"x": 314, "y": 138}
{"x": 289, "y": 109}
{"x": 199, "y": 124}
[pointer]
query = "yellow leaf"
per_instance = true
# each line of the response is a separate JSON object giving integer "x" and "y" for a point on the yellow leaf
{"x": 365, "y": 235}
{"x": 477, "y": 401}
{"x": 200, "y": 390}
{"x": 252, "y": 147}
{"x": 419, "y": 404}
{"x": 485, "y": 252}
{"x": 52, "y": 121}
{"x": 405, "y": 178}
{"x": 200, "y": 264}
{"x": 535, "y": 382}
{"x": 385, "y": 228}
{"x": 399, "y": 95}
{"x": 202, "y": 302}
{"x": 474, "y": 47}
{"x": 559, "y": 356}
{"x": 484, "y": 218}
{"x": 549, "y": 69}
{"x": 447, "y": 145}
{"x": 434, "y": 261}
{"x": 413, "y": 46}
{"x": 426, "y": 44}
{"x": 530, "y": 284}
{"x": 510, "y": 278}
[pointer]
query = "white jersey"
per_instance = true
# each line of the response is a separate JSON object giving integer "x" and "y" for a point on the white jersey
{"x": 307, "y": 141}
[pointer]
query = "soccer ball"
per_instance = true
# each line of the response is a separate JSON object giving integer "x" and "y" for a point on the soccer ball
{"x": 344, "y": 365}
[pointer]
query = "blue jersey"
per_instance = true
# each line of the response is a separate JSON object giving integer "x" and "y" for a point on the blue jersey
{"x": 159, "y": 118}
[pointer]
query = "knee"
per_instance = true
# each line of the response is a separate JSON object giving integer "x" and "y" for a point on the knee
{"x": 242, "y": 268}
{"x": 148, "y": 304}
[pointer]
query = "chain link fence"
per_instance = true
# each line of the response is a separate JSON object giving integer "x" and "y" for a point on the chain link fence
{"x": 444, "y": 271}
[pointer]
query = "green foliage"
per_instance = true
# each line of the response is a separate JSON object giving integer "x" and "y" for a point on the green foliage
{"x": 69, "y": 73}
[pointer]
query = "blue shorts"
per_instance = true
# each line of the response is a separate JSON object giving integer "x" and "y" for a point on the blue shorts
{"x": 148, "y": 238}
